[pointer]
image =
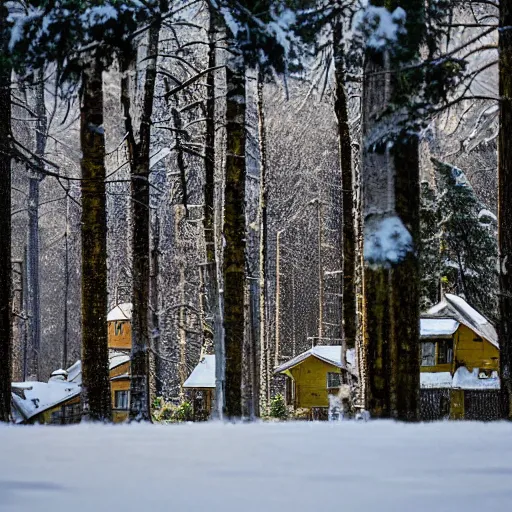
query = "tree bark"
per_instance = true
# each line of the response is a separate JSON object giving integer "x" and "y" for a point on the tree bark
{"x": 139, "y": 153}
{"x": 5, "y": 222}
{"x": 390, "y": 189}
{"x": 214, "y": 331}
{"x": 264, "y": 371}
{"x": 96, "y": 400}
{"x": 234, "y": 233}
{"x": 349, "y": 310}
{"x": 505, "y": 205}
{"x": 33, "y": 232}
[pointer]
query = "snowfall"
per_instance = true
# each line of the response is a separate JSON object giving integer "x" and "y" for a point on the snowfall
{"x": 262, "y": 467}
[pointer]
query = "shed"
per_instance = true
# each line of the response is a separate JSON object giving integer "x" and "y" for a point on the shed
{"x": 201, "y": 386}
{"x": 315, "y": 374}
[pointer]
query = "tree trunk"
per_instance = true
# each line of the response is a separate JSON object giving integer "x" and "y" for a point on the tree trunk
{"x": 5, "y": 222}
{"x": 139, "y": 152}
{"x": 505, "y": 205}
{"x": 391, "y": 194}
{"x": 96, "y": 400}
{"x": 264, "y": 384}
{"x": 212, "y": 332}
{"x": 234, "y": 233}
{"x": 155, "y": 361}
{"x": 347, "y": 184}
{"x": 33, "y": 232}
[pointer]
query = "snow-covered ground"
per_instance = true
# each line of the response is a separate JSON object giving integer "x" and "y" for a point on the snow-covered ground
{"x": 381, "y": 466}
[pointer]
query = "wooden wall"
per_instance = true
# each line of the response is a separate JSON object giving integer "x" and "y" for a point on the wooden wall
{"x": 311, "y": 382}
{"x": 120, "y": 335}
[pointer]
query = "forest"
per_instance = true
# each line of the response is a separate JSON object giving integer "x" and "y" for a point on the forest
{"x": 248, "y": 192}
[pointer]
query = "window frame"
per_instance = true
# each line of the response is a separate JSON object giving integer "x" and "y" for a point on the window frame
{"x": 126, "y": 398}
{"x": 433, "y": 355}
{"x": 338, "y": 375}
{"x": 447, "y": 344}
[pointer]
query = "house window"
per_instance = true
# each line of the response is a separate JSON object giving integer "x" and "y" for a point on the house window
{"x": 428, "y": 353}
{"x": 56, "y": 417}
{"x": 118, "y": 328}
{"x": 444, "y": 352}
{"x": 333, "y": 380}
{"x": 121, "y": 399}
{"x": 72, "y": 413}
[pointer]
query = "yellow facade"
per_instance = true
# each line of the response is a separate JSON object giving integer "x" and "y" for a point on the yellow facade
{"x": 120, "y": 335}
{"x": 119, "y": 382}
{"x": 310, "y": 382}
{"x": 469, "y": 350}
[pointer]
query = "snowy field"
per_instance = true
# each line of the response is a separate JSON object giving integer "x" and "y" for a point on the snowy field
{"x": 379, "y": 466}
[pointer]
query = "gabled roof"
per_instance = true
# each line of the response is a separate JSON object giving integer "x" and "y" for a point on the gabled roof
{"x": 33, "y": 398}
{"x": 121, "y": 312}
{"x": 458, "y": 309}
{"x": 328, "y": 354}
{"x": 203, "y": 375}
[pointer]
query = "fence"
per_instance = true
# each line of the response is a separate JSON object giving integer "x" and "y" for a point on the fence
{"x": 476, "y": 405}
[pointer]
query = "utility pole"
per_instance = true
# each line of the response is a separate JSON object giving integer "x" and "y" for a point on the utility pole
{"x": 320, "y": 273}
{"x": 65, "y": 344}
{"x": 278, "y": 294}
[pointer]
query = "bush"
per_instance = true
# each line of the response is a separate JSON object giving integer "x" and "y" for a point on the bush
{"x": 167, "y": 412}
{"x": 278, "y": 408}
{"x": 183, "y": 412}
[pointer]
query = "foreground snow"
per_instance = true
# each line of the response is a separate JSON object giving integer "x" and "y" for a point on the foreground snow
{"x": 259, "y": 467}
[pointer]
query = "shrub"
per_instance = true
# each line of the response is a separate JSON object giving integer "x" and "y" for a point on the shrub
{"x": 278, "y": 408}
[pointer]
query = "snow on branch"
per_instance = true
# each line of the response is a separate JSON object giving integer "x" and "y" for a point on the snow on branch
{"x": 386, "y": 240}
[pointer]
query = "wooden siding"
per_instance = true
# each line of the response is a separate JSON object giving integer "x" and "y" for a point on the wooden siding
{"x": 119, "y": 415}
{"x": 120, "y": 335}
{"x": 310, "y": 378}
{"x": 467, "y": 351}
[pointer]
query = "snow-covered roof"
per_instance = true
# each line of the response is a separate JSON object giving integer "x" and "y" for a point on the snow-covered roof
{"x": 435, "y": 380}
{"x": 329, "y": 354}
{"x": 121, "y": 312}
{"x": 32, "y": 398}
{"x": 458, "y": 309}
{"x": 115, "y": 359}
{"x": 434, "y": 327}
{"x": 203, "y": 375}
{"x": 462, "y": 379}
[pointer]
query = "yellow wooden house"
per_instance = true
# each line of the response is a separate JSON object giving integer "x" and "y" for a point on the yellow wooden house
{"x": 454, "y": 334}
{"x": 315, "y": 374}
{"x": 460, "y": 359}
{"x": 58, "y": 400}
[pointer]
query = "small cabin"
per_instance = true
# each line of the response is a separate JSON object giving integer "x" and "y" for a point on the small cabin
{"x": 460, "y": 356}
{"x": 200, "y": 387}
{"x": 454, "y": 334}
{"x": 58, "y": 400}
{"x": 315, "y": 374}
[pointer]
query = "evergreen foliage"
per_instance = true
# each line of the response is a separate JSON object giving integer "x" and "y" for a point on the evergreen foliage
{"x": 459, "y": 245}
{"x": 277, "y": 408}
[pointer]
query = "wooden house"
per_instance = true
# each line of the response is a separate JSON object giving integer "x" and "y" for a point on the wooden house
{"x": 120, "y": 328}
{"x": 315, "y": 374}
{"x": 454, "y": 334}
{"x": 459, "y": 362}
{"x": 58, "y": 400}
